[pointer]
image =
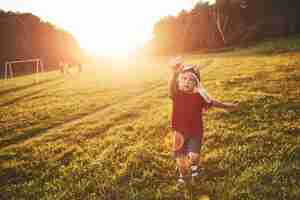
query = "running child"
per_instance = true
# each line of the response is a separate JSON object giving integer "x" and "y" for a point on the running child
{"x": 189, "y": 101}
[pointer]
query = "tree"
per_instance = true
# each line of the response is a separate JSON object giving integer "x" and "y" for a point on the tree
{"x": 221, "y": 17}
{"x": 26, "y": 36}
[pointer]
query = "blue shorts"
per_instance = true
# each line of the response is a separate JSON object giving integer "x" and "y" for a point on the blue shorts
{"x": 191, "y": 144}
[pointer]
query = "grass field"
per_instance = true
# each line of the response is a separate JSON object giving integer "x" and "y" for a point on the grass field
{"x": 104, "y": 134}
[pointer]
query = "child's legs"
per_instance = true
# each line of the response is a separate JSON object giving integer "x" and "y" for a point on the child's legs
{"x": 180, "y": 153}
{"x": 193, "y": 148}
{"x": 186, "y": 151}
{"x": 179, "y": 146}
{"x": 194, "y": 158}
{"x": 183, "y": 165}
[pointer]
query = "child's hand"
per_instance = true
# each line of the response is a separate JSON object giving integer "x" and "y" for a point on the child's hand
{"x": 205, "y": 109}
{"x": 176, "y": 64}
{"x": 177, "y": 68}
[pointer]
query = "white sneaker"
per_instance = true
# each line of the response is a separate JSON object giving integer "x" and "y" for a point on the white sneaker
{"x": 194, "y": 170}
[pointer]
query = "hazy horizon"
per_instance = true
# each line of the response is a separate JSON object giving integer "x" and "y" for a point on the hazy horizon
{"x": 97, "y": 26}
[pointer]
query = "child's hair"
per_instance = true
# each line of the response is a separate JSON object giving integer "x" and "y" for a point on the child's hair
{"x": 190, "y": 68}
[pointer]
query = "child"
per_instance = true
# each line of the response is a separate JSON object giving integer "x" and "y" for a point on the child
{"x": 189, "y": 101}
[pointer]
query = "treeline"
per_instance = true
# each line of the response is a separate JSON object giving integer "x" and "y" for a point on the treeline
{"x": 223, "y": 24}
{"x": 26, "y": 36}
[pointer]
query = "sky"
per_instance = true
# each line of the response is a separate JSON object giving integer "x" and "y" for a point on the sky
{"x": 104, "y": 27}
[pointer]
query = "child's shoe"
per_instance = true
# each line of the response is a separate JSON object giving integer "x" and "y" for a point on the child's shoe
{"x": 195, "y": 171}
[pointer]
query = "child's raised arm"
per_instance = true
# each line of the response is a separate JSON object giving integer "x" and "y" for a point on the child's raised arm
{"x": 172, "y": 84}
{"x": 227, "y": 106}
{"x": 176, "y": 66}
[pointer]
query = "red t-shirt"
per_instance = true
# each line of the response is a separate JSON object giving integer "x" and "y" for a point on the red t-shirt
{"x": 187, "y": 113}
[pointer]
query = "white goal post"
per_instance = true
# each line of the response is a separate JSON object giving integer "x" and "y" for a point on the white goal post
{"x": 38, "y": 65}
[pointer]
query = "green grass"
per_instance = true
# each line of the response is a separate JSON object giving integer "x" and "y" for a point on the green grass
{"x": 277, "y": 45}
{"x": 105, "y": 134}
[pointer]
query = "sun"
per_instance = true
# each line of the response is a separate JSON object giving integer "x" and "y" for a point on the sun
{"x": 114, "y": 28}
{"x": 119, "y": 28}
{"x": 112, "y": 40}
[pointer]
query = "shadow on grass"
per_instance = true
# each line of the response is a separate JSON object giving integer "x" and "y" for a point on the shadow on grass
{"x": 7, "y": 91}
{"x": 25, "y": 96}
{"x": 24, "y": 136}
{"x": 26, "y": 172}
{"x": 83, "y": 137}
{"x": 6, "y": 157}
{"x": 75, "y": 119}
{"x": 12, "y": 176}
{"x": 20, "y": 98}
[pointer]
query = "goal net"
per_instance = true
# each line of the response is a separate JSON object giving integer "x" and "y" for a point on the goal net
{"x": 11, "y": 67}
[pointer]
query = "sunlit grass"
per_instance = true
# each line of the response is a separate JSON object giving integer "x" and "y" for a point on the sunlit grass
{"x": 119, "y": 145}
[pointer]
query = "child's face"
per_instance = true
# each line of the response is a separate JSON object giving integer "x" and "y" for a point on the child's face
{"x": 187, "y": 82}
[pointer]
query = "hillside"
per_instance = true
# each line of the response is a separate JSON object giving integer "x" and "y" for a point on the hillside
{"x": 105, "y": 134}
{"x": 225, "y": 23}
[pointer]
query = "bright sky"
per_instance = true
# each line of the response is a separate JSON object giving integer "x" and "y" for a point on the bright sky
{"x": 109, "y": 27}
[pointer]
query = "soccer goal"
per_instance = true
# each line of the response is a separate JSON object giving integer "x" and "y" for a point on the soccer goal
{"x": 10, "y": 65}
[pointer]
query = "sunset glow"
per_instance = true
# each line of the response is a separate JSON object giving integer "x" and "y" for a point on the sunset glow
{"x": 103, "y": 27}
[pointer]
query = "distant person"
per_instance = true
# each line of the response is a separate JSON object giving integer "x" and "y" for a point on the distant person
{"x": 79, "y": 67}
{"x": 189, "y": 101}
{"x": 67, "y": 68}
{"x": 61, "y": 67}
